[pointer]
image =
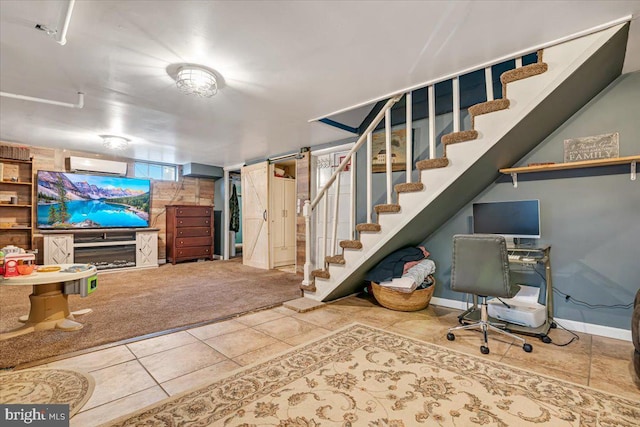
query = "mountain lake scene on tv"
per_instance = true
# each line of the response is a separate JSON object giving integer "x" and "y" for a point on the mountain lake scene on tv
{"x": 69, "y": 200}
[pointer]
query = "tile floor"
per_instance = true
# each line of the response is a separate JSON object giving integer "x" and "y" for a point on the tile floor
{"x": 129, "y": 377}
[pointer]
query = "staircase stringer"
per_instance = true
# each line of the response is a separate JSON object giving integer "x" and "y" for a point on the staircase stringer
{"x": 564, "y": 60}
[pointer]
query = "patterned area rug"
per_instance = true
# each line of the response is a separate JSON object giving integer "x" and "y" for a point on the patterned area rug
{"x": 362, "y": 376}
{"x": 42, "y": 386}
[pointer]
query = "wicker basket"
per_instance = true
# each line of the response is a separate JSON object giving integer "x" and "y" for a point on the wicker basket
{"x": 402, "y": 301}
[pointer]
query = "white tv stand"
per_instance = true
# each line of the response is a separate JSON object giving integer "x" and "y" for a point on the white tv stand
{"x": 109, "y": 249}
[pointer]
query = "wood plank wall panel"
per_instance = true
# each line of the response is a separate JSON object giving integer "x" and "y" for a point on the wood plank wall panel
{"x": 186, "y": 191}
{"x": 303, "y": 192}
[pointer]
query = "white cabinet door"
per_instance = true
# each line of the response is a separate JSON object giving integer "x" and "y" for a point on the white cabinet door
{"x": 147, "y": 249}
{"x": 283, "y": 221}
{"x": 255, "y": 225}
{"x": 58, "y": 249}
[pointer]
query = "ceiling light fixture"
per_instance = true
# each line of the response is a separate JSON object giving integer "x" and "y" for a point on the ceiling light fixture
{"x": 113, "y": 142}
{"x": 194, "y": 80}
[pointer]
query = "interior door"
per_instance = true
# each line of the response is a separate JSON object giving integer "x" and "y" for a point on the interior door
{"x": 255, "y": 221}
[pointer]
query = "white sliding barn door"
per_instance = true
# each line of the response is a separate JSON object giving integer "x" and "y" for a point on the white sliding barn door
{"x": 255, "y": 221}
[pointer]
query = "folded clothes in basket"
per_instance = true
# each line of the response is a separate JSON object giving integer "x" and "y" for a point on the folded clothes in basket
{"x": 413, "y": 278}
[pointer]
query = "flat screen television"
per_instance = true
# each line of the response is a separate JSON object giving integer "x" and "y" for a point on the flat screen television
{"x": 511, "y": 219}
{"x": 73, "y": 200}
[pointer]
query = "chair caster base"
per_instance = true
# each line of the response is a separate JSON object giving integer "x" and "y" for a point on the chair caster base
{"x": 450, "y": 336}
{"x": 527, "y": 347}
{"x": 484, "y": 349}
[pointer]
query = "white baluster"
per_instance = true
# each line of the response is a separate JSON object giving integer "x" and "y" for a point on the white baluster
{"x": 306, "y": 211}
{"x": 325, "y": 208}
{"x": 369, "y": 174}
{"x": 432, "y": 121}
{"x": 488, "y": 78}
{"x": 456, "y": 104}
{"x": 334, "y": 225}
{"x": 387, "y": 137}
{"x": 352, "y": 207}
{"x": 409, "y": 146}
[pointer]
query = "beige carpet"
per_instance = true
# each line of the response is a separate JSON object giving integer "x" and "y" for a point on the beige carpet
{"x": 132, "y": 303}
{"x": 362, "y": 376}
{"x": 46, "y": 386}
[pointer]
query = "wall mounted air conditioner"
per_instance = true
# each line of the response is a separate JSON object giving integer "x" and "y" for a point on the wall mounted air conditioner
{"x": 83, "y": 164}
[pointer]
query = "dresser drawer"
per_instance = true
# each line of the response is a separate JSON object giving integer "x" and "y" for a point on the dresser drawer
{"x": 193, "y": 241}
{"x": 193, "y": 232}
{"x": 194, "y": 251}
{"x": 196, "y": 221}
{"x": 193, "y": 211}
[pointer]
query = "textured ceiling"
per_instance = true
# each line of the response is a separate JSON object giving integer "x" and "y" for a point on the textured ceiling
{"x": 281, "y": 63}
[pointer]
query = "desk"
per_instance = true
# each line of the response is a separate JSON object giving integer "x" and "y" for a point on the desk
{"x": 524, "y": 256}
{"x": 49, "y": 304}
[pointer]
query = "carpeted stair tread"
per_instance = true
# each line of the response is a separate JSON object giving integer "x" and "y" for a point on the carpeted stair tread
{"x": 309, "y": 288}
{"x": 388, "y": 208}
{"x": 439, "y": 162}
{"x": 368, "y": 226}
{"x": 351, "y": 244}
{"x": 323, "y": 274}
{"x": 489, "y": 107}
{"x": 336, "y": 259}
{"x": 409, "y": 187}
{"x": 522, "y": 73}
{"x": 462, "y": 136}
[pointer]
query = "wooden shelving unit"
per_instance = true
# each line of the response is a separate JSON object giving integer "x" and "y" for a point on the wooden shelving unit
{"x": 16, "y": 219}
{"x": 631, "y": 160}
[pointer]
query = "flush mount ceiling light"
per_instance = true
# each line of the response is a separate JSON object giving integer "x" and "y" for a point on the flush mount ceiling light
{"x": 113, "y": 142}
{"x": 195, "y": 80}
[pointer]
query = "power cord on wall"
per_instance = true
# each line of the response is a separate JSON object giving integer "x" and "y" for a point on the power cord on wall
{"x": 576, "y": 301}
{"x": 569, "y": 298}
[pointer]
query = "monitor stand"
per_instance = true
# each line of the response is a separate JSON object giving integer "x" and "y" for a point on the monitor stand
{"x": 517, "y": 242}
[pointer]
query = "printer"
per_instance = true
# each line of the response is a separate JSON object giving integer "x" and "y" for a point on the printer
{"x": 523, "y": 309}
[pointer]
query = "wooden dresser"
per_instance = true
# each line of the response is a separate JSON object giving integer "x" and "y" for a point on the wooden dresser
{"x": 189, "y": 232}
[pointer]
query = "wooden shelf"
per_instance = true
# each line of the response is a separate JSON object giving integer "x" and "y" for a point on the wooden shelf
{"x": 15, "y": 183}
{"x": 17, "y": 219}
{"x": 573, "y": 165}
{"x": 4, "y": 160}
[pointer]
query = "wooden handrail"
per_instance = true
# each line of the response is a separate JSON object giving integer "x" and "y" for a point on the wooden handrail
{"x": 355, "y": 148}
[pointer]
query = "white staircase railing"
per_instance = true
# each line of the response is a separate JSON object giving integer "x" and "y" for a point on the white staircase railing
{"x": 366, "y": 138}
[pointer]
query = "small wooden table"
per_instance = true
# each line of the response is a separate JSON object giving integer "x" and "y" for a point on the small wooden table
{"x": 49, "y": 304}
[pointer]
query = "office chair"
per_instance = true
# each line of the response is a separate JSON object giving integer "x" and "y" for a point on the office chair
{"x": 481, "y": 267}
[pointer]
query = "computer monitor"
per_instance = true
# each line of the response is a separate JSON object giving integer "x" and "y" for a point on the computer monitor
{"x": 512, "y": 219}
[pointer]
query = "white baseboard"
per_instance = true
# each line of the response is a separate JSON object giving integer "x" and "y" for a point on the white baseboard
{"x": 572, "y": 325}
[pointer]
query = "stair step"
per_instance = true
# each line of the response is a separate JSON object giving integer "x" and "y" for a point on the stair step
{"x": 389, "y": 208}
{"x": 323, "y": 274}
{"x": 439, "y": 162}
{"x": 336, "y": 259}
{"x": 351, "y": 244}
{"x": 308, "y": 288}
{"x": 409, "y": 187}
{"x": 522, "y": 73}
{"x": 488, "y": 107}
{"x": 456, "y": 137}
{"x": 370, "y": 226}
